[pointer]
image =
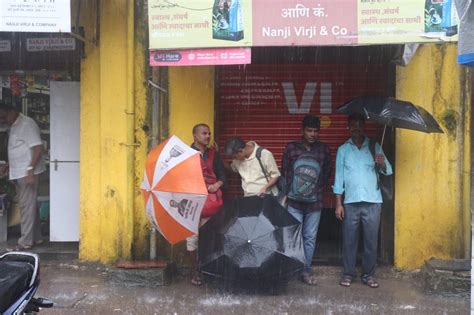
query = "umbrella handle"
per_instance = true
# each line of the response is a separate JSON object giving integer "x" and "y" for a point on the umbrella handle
{"x": 383, "y": 136}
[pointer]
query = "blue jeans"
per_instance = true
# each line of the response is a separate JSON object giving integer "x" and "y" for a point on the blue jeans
{"x": 310, "y": 221}
{"x": 356, "y": 214}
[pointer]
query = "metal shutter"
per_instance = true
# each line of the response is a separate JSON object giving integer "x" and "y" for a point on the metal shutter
{"x": 252, "y": 104}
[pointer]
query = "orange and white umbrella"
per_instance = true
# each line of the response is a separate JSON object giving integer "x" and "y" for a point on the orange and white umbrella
{"x": 174, "y": 189}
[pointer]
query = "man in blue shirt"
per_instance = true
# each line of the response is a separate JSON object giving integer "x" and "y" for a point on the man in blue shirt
{"x": 356, "y": 179}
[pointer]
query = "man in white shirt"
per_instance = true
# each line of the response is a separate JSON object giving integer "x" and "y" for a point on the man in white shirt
{"x": 25, "y": 163}
{"x": 258, "y": 177}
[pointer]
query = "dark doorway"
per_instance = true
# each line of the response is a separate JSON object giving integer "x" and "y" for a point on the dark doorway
{"x": 266, "y": 101}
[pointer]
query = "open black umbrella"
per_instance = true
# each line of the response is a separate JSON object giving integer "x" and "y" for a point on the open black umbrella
{"x": 254, "y": 238}
{"x": 392, "y": 112}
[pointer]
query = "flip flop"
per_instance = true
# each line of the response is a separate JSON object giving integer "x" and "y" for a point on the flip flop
{"x": 308, "y": 279}
{"x": 371, "y": 283}
{"x": 345, "y": 282}
{"x": 20, "y": 248}
{"x": 196, "y": 280}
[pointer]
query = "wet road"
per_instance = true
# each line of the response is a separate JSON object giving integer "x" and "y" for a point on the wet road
{"x": 79, "y": 288}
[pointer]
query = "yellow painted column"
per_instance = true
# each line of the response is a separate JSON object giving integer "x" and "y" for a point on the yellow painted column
{"x": 141, "y": 227}
{"x": 113, "y": 104}
{"x": 191, "y": 99}
{"x": 432, "y": 213}
{"x": 90, "y": 168}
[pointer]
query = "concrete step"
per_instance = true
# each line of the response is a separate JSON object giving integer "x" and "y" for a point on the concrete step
{"x": 142, "y": 273}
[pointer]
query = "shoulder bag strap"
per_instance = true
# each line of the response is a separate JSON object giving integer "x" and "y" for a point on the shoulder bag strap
{"x": 258, "y": 155}
{"x": 372, "y": 151}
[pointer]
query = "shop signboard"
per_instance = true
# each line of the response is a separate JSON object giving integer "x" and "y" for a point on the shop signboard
{"x": 37, "y": 16}
{"x": 50, "y": 44}
{"x": 5, "y": 45}
{"x": 238, "y": 23}
{"x": 305, "y": 22}
{"x": 200, "y": 57}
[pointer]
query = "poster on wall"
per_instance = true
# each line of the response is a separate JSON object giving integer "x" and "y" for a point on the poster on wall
{"x": 245, "y": 23}
{"x": 40, "y": 16}
{"x": 406, "y": 21}
{"x": 199, "y": 23}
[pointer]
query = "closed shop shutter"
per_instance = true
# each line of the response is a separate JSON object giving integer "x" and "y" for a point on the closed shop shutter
{"x": 267, "y": 103}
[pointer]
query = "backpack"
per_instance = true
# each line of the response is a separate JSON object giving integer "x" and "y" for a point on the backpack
{"x": 304, "y": 183}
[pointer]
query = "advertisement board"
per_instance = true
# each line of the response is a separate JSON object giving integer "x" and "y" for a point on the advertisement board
{"x": 39, "y": 16}
{"x": 246, "y": 23}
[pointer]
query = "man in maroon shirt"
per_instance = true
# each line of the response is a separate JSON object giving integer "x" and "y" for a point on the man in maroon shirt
{"x": 210, "y": 158}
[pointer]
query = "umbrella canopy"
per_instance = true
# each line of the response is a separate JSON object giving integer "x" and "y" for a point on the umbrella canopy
{"x": 254, "y": 238}
{"x": 174, "y": 189}
{"x": 392, "y": 112}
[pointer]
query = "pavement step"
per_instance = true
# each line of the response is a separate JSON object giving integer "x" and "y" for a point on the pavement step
{"x": 447, "y": 277}
{"x": 146, "y": 277}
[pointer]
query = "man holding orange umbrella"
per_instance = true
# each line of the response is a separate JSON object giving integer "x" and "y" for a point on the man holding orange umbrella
{"x": 214, "y": 176}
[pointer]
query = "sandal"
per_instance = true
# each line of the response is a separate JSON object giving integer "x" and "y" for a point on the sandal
{"x": 20, "y": 248}
{"x": 308, "y": 279}
{"x": 196, "y": 280}
{"x": 345, "y": 281}
{"x": 371, "y": 282}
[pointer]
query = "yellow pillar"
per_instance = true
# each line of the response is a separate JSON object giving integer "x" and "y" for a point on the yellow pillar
{"x": 432, "y": 214}
{"x": 139, "y": 60}
{"x": 113, "y": 101}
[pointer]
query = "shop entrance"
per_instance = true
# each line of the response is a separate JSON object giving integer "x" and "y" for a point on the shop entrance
{"x": 64, "y": 161}
{"x": 267, "y": 100}
{"x": 39, "y": 75}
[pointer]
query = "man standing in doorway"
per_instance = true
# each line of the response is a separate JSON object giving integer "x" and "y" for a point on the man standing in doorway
{"x": 306, "y": 167}
{"x": 257, "y": 167}
{"x": 25, "y": 163}
{"x": 357, "y": 179}
{"x": 214, "y": 175}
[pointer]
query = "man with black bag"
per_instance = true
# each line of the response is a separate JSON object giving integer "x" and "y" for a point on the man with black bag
{"x": 255, "y": 165}
{"x": 359, "y": 164}
{"x": 306, "y": 167}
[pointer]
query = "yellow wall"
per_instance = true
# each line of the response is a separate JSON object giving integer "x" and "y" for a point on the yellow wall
{"x": 191, "y": 99}
{"x": 113, "y": 103}
{"x": 432, "y": 214}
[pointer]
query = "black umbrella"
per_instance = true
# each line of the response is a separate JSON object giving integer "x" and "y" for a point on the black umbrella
{"x": 254, "y": 238}
{"x": 389, "y": 111}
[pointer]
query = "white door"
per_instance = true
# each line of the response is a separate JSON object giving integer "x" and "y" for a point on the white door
{"x": 64, "y": 161}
